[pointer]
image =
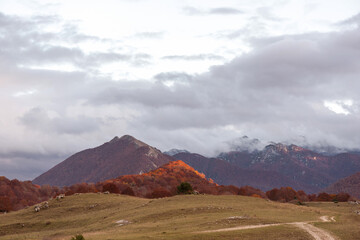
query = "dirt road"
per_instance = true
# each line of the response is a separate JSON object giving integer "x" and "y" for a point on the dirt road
{"x": 315, "y": 232}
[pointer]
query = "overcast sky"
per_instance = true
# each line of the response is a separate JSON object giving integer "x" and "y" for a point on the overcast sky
{"x": 192, "y": 75}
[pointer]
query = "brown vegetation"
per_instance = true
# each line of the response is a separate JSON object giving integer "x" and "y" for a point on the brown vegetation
{"x": 158, "y": 183}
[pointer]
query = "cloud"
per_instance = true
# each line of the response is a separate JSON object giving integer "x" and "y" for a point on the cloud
{"x": 25, "y": 43}
{"x": 212, "y": 11}
{"x": 173, "y": 76}
{"x": 225, "y": 11}
{"x": 148, "y": 35}
{"x": 198, "y": 57}
{"x": 40, "y": 120}
{"x": 354, "y": 20}
{"x": 275, "y": 91}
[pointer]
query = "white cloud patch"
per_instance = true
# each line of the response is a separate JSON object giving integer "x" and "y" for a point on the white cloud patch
{"x": 339, "y": 106}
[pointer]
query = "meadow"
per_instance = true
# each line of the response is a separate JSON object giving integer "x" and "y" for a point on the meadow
{"x": 114, "y": 216}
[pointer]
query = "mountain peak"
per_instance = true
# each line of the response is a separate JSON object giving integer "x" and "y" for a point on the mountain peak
{"x": 115, "y": 139}
{"x": 129, "y": 140}
{"x": 120, "y": 156}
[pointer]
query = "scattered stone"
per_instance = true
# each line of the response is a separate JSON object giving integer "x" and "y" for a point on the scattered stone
{"x": 60, "y": 196}
{"x": 93, "y": 205}
{"x": 238, "y": 217}
{"x": 123, "y": 222}
{"x": 107, "y": 192}
{"x": 37, "y": 208}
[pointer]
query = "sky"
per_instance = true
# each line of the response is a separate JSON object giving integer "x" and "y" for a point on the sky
{"x": 195, "y": 75}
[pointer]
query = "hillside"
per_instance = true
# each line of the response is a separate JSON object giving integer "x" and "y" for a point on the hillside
{"x": 225, "y": 173}
{"x": 119, "y": 217}
{"x": 350, "y": 184}
{"x": 120, "y": 156}
{"x": 161, "y": 182}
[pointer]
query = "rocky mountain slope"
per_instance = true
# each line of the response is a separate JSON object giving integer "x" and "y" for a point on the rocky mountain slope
{"x": 120, "y": 156}
{"x": 223, "y": 172}
{"x": 299, "y": 164}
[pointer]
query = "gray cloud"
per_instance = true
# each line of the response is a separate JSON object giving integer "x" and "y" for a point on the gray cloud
{"x": 197, "y": 57}
{"x": 39, "y": 119}
{"x": 354, "y": 20}
{"x": 225, "y": 11}
{"x": 147, "y": 35}
{"x": 173, "y": 76}
{"x": 24, "y": 42}
{"x": 274, "y": 92}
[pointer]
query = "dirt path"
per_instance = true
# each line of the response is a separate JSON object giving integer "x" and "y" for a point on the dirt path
{"x": 316, "y": 233}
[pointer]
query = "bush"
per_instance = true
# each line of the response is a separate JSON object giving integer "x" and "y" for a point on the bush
{"x": 185, "y": 188}
{"x": 78, "y": 237}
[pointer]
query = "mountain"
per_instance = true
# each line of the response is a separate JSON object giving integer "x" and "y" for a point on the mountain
{"x": 299, "y": 164}
{"x": 245, "y": 144}
{"x": 226, "y": 173}
{"x": 120, "y": 156}
{"x": 350, "y": 184}
{"x": 174, "y": 151}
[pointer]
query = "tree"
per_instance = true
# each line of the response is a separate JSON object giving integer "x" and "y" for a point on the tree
{"x": 185, "y": 188}
{"x": 5, "y": 204}
{"x": 78, "y": 237}
{"x": 111, "y": 187}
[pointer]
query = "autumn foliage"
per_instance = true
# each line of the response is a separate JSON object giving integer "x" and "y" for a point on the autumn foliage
{"x": 287, "y": 194}
{"x": 162, "y": 182}
{"x": 15, "y": 194}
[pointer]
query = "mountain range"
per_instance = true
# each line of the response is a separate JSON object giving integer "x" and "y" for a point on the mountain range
{"x": 274, "y": 166}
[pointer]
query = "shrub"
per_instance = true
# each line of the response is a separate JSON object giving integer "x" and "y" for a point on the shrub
{"x": 185, "y": 188}
{"x": 78, "y": 237}
{"x": 111, "y": 187}
{"x": 159, "y": 193}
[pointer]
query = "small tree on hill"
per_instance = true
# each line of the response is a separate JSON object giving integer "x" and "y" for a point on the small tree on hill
{"x": 185, "y": 188}
{"x": 78, "y": 237}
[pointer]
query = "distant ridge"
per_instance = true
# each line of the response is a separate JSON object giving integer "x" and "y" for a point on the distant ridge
{"x": 350, "y": 184}
{"x": 120, "y": 156}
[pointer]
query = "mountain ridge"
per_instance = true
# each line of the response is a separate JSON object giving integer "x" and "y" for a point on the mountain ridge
{"x": 119, "y": 156}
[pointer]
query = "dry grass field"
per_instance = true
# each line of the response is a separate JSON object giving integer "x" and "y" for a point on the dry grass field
{"x": 112, "y": 216}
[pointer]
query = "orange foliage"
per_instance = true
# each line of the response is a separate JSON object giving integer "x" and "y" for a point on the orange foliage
{"x": 15, "y": 194}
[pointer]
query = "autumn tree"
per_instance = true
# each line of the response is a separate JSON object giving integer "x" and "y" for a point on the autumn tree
{"x": 185, "y": 188}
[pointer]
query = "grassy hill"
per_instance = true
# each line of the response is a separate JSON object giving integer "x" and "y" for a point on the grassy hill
{"x": 95, "y": 216}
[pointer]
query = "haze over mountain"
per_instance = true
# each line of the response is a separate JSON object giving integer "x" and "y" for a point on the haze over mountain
{"x": 120, "y": 156}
